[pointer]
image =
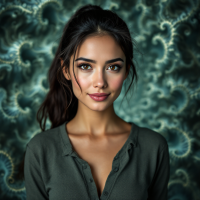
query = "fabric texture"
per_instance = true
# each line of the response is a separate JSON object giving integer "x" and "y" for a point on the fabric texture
{"x": 54, "y": 171}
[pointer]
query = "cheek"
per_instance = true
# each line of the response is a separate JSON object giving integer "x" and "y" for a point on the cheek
{"x": 116, "y": 83}
{"x": 83, "y": 82}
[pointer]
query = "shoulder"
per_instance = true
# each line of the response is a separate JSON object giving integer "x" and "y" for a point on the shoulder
{"x": 151, "y": 140}
{"x": 44, "y": 140}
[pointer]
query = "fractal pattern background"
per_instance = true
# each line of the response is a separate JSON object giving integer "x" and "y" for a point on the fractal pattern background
{"x": 166, "y": 98}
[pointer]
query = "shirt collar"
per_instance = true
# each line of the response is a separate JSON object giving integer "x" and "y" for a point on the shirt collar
{"x": 67, "y": 147}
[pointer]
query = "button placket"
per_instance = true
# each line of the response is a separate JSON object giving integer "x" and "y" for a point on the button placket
{"x": 112, "y": 178}
{"x": 117, "y": 167}
{"x": 89, "y": 181}
{"x": 85, "y": 167}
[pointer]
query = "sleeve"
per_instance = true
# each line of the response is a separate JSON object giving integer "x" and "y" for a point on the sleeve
{"x": 159, "y": 187}
{"x": 34, "y": 184}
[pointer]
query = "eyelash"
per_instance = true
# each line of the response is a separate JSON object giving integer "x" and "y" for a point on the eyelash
{"x": 79, "y": 66}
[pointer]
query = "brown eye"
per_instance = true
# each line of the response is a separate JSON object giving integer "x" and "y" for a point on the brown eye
{"x": 114, "y": 66}
{"x": 85, "y": 66}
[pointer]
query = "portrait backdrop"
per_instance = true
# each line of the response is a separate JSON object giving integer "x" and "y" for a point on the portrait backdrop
{"x": 166, "y": 98}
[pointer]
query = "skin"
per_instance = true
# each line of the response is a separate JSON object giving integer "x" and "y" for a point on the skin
{"x": 97, "y": 119}
{"x": 96, "y": 132}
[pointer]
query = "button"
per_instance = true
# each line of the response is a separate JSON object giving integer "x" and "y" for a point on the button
{"x": 116, "y": 169}
{"x": 105, "y": 193}
{"x": 84, "y": 166}
{"x": 116, "y": 157}
{"x": 91, "y": 180}
{"x": 130, "y": 145}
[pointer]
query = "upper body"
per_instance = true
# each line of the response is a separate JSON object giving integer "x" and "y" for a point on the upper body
{"x": 96, "y": 156}
{"x": 139, "y": 170}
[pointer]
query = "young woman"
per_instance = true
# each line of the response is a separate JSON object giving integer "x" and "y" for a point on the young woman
{"x": 90, "y": 153}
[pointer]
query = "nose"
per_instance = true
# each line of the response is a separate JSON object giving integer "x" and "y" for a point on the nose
{"x": 99, "y": 78}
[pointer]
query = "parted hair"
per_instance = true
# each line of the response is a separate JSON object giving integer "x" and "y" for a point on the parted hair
{"x": 60, "y": 103}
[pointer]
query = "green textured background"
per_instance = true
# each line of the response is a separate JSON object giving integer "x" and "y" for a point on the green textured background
{"x": 166, "y": 99}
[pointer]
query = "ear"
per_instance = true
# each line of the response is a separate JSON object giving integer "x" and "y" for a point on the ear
{"x": 127, "y": 72}
{"x": 66, "y": 74}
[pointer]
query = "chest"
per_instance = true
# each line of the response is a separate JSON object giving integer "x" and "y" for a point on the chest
{"x": 99, "y": 155}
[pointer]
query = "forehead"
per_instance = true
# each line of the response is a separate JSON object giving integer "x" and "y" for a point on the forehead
{"x": 100, "y": 47}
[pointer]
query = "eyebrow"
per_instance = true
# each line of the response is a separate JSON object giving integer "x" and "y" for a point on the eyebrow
{"x": 93, "y": 61}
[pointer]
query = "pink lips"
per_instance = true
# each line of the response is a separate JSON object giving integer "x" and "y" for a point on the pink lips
{"x": 99, "y": 98}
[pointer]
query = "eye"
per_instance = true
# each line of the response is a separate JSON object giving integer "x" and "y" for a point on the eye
{"x": 113, "y": 66}
{"x": 84, "y": 67}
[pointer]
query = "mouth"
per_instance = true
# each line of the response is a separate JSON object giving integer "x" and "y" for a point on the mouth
{"x": 100, "y": 94}
{"x": 99, "y": 98}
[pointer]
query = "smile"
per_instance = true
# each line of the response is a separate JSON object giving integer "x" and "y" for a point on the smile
{"x": 97, "y": 98}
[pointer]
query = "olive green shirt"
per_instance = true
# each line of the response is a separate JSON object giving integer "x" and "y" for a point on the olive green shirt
{"x": 53, "y": 170}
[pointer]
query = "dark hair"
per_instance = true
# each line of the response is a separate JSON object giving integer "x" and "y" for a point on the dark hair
{"x": 61, "y": 104}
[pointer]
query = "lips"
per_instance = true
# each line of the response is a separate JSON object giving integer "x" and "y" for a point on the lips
{"x": 99, "y": 98}
{"x": 99, "y": 94}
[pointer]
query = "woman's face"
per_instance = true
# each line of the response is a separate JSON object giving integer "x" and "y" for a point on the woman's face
{"x": 97, "y": 76}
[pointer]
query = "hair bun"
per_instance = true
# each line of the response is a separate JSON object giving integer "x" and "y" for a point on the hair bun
{"x": 86, "y": 8}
